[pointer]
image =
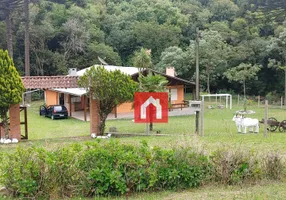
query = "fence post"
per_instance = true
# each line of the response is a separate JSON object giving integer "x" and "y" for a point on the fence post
{"x": 258, "y": 100}
{"x": 265, "y": 118}
{"x": 238, "y": 99}
{"x": 202, "y": 119}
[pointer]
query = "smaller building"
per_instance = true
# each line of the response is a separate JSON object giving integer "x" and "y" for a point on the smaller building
{"x": 76, "y": 99}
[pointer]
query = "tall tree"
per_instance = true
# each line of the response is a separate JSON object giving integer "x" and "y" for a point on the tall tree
{"x": 142, "y": 59}
{"x": 213, "y": 52}
{"x": 149, "y": 83}
{"x": 242, "y": 73}
{"x": 27, "y": 38}
{"x": 279, "y": 65}
{"x": 175, "y": 56}
{"x": 11, "y": 87}
{"x": 152, "y": 83}
{"x": 7, "y": 6}
{"x": 278, "y": 57}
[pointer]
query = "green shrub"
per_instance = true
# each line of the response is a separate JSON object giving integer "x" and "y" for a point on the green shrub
{"x": 274, "y": 166}
{"x": 23, "y": 172}
{"x": 179, "y": 168}
{"x": 36, "y": 172}
{"x": 273, "y": 97}
{"x": 114, "y": 169}
{"x": 100, "y": 169}
{"x": 235, "y": 166}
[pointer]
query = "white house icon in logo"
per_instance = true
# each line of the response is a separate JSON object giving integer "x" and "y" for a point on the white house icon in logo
{"x": 156, "y": 103}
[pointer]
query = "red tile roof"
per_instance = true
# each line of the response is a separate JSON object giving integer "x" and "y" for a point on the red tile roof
{"x": 48, "y": 82}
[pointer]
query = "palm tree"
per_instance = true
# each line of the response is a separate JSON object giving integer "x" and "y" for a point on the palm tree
{"x": 152, "y": 83}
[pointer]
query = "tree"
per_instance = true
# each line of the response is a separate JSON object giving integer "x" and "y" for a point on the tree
{"x": 156, "y": 37}
{"x": 27, "y": 38}
{"x": 273, "y": 63}
{"x": 213, "y": 52}
{"x": 11, "y": 87}
{"x": 174, "y": 56}
{"x": 270, "y": 4}
{"x": 149, "y": 83}
{"x": 142, "y": 60}
{"x": 77, "y": 38}
{"x": 7, "y": 6}
{"x": 223, "y": 10}
{"x": 152, "y": 83}
{"x": 241, "y": 73}
{"x": 277, "y": 46}
{"x": 40, "y": 34}
{"x": 109, "y": 88}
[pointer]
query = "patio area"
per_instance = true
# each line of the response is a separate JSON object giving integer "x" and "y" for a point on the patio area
{"x": 175, "y": 112}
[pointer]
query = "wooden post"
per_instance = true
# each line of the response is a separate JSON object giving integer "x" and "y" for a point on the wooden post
{"x": 94, "y": 116}
{"x": 115, "y": 112}
{"x": 258, "y": 100}
{"x": 197, "y": 122}
{"x": 265, "y": 118}
{"x": 26, "y": 122}
{"x": 230, "y": 101}
{"x": 70, "y": 105}
{"x": 147, "y": 131}
{"x": 15, "y": 123}
{"x": 202, "y": 118}
{"x": 84, "y": 107}
{"x": 238, "y": 99}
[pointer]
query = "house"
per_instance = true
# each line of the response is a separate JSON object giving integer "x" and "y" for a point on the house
{"x": 76, "y": 100}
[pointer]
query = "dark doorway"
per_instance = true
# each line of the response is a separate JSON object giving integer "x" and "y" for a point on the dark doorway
{"x": 62, "y": 99}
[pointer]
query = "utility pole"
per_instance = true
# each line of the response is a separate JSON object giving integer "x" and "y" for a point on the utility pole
{"x": 27, "y": 38}
{"x": 197, "y": 66}
{"x": 197, "y": 79}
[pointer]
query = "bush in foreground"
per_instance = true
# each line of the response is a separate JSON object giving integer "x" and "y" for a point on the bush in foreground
{"x": 100, "y": 169}
{"x": 116, "y": 169}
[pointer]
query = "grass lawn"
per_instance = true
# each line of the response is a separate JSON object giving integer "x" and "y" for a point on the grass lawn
{"x": 220, "y": 131}
{"x": 264, "y": 191}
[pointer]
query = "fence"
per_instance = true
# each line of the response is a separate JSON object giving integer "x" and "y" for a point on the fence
{"x": 219, "y": 101}
{"x": 273, "y": 102}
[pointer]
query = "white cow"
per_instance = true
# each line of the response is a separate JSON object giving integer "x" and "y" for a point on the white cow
{"x": 243, "y": 123}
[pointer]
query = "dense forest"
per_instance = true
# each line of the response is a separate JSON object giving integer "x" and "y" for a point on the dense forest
{"x": 240, "y": 41}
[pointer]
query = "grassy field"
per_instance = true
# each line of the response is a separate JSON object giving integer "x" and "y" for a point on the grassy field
{"x": 219, "y": 132}
{"x": 264, "y": 191}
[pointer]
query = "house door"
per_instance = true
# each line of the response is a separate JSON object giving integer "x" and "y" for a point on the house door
{"x": 62, "y": 99}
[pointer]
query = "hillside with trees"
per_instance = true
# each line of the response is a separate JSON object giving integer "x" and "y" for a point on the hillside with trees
{"x": 74, "y": 33}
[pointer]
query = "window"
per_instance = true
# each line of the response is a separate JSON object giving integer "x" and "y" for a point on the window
{"x": 174, "y": 94}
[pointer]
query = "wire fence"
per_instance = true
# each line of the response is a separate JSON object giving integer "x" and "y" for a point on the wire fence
{"x": 239, "y": 100}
